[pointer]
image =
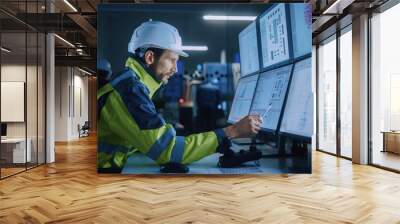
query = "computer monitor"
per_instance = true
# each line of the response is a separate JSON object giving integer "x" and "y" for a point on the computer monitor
{"x": 248, "y": 47}
{"x": 298, "y": 115}
{"x": 274, "y": 35}
{"x": 3, "y": 129}
{"x": 243, "y": 98}
{"x": 270, "y": 96}
{"x": 301, "y": 24}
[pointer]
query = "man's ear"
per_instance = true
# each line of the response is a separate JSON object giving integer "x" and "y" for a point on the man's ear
{"x": 149, "y": 57}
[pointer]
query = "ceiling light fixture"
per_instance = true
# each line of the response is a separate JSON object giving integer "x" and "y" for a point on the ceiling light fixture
{"x": 65, "y": 41}
{"x": 236, "y": 18}
{"x": 195, "y": 48}
{"x": 337, "y": 7}
{"x": 84, "y": 71}
{"x": 5, "y": 50}
{"x": 70, "y": 5}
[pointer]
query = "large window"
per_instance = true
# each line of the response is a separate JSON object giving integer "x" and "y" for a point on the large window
{"x": 327, "y": 95}
{"x": 345, "y": 41}
{"x": 385, "y": 88}
{"x": 334, "y": 60}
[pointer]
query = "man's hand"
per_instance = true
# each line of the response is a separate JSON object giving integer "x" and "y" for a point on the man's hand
{"x": 246, "y": 127}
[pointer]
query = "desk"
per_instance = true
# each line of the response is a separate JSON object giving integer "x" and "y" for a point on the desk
{"x": 391, "y": 141}
{"x": 13, "y": 150}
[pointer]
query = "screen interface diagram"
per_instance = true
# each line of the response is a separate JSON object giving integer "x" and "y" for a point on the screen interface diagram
{"x": 298, "y": 115}
{"x": 249, "y": 61}
{"x": 243, "y": 98}
{"x": 274, "y": 36}
{"x": 270, "y": 95}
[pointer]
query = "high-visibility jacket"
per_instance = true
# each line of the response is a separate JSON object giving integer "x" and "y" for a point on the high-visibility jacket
{"x": 128, "y": 122}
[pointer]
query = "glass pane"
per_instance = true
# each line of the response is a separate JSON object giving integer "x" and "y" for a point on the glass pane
{"x": 327, "y": 96}
{"x": 41, "y": 98}
{"x": 385, "y": 89}
{"x": 13, "y": 87}
{"x": 31, "y": 101}
{"x": 314, "y": 74}
{"x": 346, "y": 94}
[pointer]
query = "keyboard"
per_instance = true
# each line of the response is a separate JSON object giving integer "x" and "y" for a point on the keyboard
{"x": 241, "y": 170}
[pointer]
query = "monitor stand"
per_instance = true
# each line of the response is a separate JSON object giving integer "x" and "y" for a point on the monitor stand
{"x": 231, "y": 159}
{"x": 298, "y": 148}
{"x": 279, "y": 144}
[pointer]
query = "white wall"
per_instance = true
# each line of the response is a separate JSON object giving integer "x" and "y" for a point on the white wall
{"x": 71, "y": 93}
{"x": 61, "y": 103}
{"x": 81, "y": 82}
{"x": 13, "y": 72}
{"x": 33, "y": 127}
{"x": 16, "y": 73}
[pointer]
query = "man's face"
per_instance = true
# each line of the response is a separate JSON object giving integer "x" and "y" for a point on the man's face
{"x": 165, "y": 66}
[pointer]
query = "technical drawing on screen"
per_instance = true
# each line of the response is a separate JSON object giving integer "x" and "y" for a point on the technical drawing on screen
{"x": 249, "y": 61}
{"x": 270, "y": 95}
{"x": 274, "y": 36}
{"x": 243, "y": 97}
{"x": 298, "y": 116}
{"x": 301, "y": 28}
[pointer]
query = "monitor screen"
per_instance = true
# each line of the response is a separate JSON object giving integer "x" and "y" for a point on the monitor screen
{"x": 3, "y": 129}
{"x": 270, "y": 95}
{"x": 274, "y": 36}
{"x": 301, "y": 24}
{"x": 248, "y": 47}
{"x": 243, "y": 97}
{"x": 298, "y": 114}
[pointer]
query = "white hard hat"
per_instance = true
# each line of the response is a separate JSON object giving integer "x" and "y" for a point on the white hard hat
{"x": 158, "y": 35}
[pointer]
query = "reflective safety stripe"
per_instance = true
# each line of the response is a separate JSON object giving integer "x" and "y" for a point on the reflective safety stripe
{"x": 146, "y": 78}
{"x": 103, "y": 90}
{"x": 177, "y": 151}
{"x": 161, "y": 144}
{"x": 126, "y": 75}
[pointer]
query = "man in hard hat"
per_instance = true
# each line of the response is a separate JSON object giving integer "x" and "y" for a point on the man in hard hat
{"x": 128, "y": 121}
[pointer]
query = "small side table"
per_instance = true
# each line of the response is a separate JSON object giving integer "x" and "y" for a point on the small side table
{"x": 391, "y": 141}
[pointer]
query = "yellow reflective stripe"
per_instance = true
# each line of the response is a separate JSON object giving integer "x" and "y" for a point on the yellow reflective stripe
{"x": 103, "y": 90}
{"x": 144, "y": 77}
{"x": 177, "y": 151}
{"x": 161, "y": 144}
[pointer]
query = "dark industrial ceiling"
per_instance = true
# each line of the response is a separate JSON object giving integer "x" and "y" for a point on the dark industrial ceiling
{"x": 79, "y": 27}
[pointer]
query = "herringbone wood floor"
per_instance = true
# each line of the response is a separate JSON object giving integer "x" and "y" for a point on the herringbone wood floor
{"x": 70, "y": 191}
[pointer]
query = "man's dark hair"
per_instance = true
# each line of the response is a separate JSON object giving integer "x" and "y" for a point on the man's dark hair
{"x": 140, "y": 52}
